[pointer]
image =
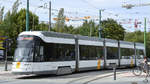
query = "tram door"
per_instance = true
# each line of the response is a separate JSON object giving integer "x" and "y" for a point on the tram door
{"x": 38, "y": 58}
{"x": 112, "y": 55}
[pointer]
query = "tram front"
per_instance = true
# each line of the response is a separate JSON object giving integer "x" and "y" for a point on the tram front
{"x": 24, "y": 54}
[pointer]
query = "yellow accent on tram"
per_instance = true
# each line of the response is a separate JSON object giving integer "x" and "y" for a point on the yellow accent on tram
{"x": 18, "y": 65}
{"x": 99, "y": 64}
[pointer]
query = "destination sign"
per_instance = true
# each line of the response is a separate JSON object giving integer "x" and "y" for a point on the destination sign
{"x": 25, "y": 38}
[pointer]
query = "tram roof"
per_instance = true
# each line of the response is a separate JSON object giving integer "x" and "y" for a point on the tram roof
{"x": 42, "y": 34}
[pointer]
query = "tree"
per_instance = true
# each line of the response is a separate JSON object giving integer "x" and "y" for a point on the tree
{"x": 1, "y": 14}
{"x": 43, "y": 26}
{"x": 15, "y": 7}
{"x": 138, "y": 36}
{"x": 68, "y": 29}
{"x": 60, "y": 21}
{"x": 8, "y": 24}
{"x": 14, "y": 23}
{"x": 88, "y": 28}
{"x": 112, "y": 30}
{"x": 21, "y": 21}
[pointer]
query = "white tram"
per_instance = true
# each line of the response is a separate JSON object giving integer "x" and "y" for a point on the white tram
{"x": 40, "y": 52}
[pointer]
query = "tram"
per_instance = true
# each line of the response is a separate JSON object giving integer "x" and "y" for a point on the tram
{"x": 42, "y": 52}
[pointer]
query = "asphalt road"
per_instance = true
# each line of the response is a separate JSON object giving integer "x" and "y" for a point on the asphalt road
{"x": 124, "y": 76}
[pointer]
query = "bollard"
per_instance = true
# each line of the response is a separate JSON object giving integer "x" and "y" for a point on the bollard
{"x": 114, "y": 69}
{"x": 113, "y": 65}
{"x": 5, "y": 65}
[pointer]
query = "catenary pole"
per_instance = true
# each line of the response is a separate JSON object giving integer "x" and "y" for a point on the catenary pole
{"x": 49, "y": 16}
{"x": 27, "y": 16}
{"x": 99, "y": 23}
{"x": 145, "y": 35}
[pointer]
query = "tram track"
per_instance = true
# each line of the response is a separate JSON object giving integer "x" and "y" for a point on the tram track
{"x": 87, "y": 80}
{"x": 79, "y": 78}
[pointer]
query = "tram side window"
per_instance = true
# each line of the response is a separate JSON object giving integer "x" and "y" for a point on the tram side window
{"x": 65, "y": 52}
{"x": 48, "y": 52}
{"x": 84, "y": 53}
{"x": 38, "y": 56}
{"x": 90, "y": 52}
{"x": 140, "y": 53}
{"x": 99, "y": 52}
{"x": 112, "y": 53}
{"x": 41, "y": 53}
{"x": 127, "y": 53}
{"x": 59, "y": 52}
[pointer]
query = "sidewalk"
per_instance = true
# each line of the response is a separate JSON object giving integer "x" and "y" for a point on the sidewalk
{"x": 4, "y": 75}
{"x": 2, "y": 67}
{"x": 125, "y": 78}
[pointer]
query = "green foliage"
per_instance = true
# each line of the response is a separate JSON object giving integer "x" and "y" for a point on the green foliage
{"x": 21, "y": 21}
{"x": 1, "y": 14}
{"x": 15, "y": 7}
{"x": 60, "y": 21}
{"x": 112, "y": 30}
{"x": 14, "y": 23}
{"x": 43, "y": 27}
{"x": 87, "y": 29}
{"x": 138, "y": 36}
{"x": 68, "y": 29}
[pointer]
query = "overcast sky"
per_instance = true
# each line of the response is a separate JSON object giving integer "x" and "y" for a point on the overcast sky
{"x": 80, "y": 8}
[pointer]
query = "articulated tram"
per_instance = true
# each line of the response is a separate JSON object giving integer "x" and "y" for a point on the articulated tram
{"x": 41, "y": 52}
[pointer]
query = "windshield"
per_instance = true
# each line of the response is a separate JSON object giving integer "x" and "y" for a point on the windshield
{"x": 28, "y": 48}
{"x": 24, "y": 51}
{"x": 23, "y": 54}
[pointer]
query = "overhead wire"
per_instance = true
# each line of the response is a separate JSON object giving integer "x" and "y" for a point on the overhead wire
{"x": 85, "y": 11}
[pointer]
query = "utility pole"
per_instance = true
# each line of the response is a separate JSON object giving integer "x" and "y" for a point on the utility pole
{"x": 145, "y": 35}
{"x": 91, "y": 28}
{"x": 100, "y": 24}
{"x": 6, "y": 47}
{"x": 49, "y": 16}
{"x": 27, "y": 16}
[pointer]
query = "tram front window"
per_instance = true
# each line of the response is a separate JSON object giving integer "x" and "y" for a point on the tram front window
{"x": 24, "y": 54}
{"x": 25, "y": 49}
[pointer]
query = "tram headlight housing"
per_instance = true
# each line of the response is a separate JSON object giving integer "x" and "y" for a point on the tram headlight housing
{"x": 18, "y": 65}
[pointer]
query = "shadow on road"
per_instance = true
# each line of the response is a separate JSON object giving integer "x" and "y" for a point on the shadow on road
{"x": 36, "y": 76}
{"x": 73, "y": 75}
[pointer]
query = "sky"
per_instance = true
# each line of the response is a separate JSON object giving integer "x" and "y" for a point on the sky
{"x": 76, "y": 9}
